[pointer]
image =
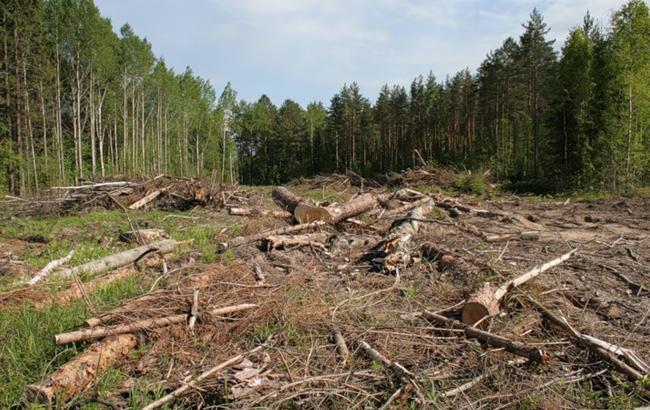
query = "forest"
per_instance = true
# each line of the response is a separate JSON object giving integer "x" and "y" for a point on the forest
{"x": 80, "y": 102}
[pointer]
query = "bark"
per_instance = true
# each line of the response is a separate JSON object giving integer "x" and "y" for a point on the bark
{"x": 286, "y": 199}
{"x": 75, "y": 376}
{"x": 531, "y": 353}
{"x": 99, "y": 332}
{"x": 120, "y": 259}
{"x": 485, "y": 302}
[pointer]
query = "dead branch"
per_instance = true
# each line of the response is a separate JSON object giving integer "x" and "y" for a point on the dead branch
{"x": 395, "y": 366}
{"x": 50, "y": 267}
{"x": 344, "y": 352}
{"x": 194, "y": 311}
{"x": 193, "y": 384}
{"x": 523, "y": 236}
{"x": 486, "y": 373}
{"x": 631, "y": 365}
{"x": 531, "y": 353}
{"x": 99, "y": 332}
{"x": 241, "y": 240}
{"x": 485, "y": 302}
{"x": 79, "y": 373}
{"x": 145, "y": 200}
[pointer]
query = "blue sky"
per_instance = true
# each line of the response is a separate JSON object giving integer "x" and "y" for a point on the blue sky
{"x": 307, "y": 49}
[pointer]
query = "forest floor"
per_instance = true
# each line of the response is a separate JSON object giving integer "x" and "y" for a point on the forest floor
{"x": 309, "y": 295}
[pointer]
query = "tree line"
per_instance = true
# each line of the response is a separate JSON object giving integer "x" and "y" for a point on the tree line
{"x": 79, "y": 101}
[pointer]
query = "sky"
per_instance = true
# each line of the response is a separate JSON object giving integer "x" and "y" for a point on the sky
{"x": 307, "y": 49}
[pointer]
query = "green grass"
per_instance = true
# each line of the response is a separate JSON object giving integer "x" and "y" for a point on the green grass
{"x": 27, "y": 349}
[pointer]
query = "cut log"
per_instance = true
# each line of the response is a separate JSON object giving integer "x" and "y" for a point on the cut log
{"x": 120, "y": 259}
{"x": 50, "y": 267}
{"x": 241, "y": 240}
{"x": 294, "y": 241}
{"x": 193, "y": 384}
{"x": 357, "y": 206}
{"x": 237, "y": 211}
{"x": 143, "y": 236}
{"x": 531, "y": 353}
{"x": 395, "y": 250}
{"x": 75, "y": 376}
{"x": 305, "y": 213}
{"x": 485, "y": 302}
{"x": 631, "y": 365}
{"x": 286, "y": 199}
{"x": 99, "y": 332}
{"x": 145, "y": 200}
{"x": 523, "y": 236}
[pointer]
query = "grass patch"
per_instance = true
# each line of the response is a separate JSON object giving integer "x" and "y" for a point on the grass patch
{"x": 27, "y": 349}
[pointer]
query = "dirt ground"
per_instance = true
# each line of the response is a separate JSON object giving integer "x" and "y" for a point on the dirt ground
{"x": 311, "y": 294}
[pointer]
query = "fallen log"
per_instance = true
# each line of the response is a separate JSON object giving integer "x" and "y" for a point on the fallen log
{"x": 485, "y": 302}
{"x": 294, "y": 241}
{"x": 241, "y": 240}
{"x": 286, "y": 199}
{"x": 631, "y": 365}
{"x": 531, "y": 353}
{"x": 356, "y": 206}
{"x": 75, "y": 376}
{"x": 395, "y": 250}
{"x": 237, "y": 211}
{"x": 193, "y": 383}
{"x": 50, "y": 267}
{"x": 99, "y": 332}
{"x": 120, "y": 259}
{"x": 143, "y": 236}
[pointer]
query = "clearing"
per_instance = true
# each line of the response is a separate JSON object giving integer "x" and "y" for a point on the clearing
{"x": 360, "y": 313}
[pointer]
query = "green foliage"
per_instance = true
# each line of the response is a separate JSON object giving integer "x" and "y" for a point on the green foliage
{"x": 471, "y": 183}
